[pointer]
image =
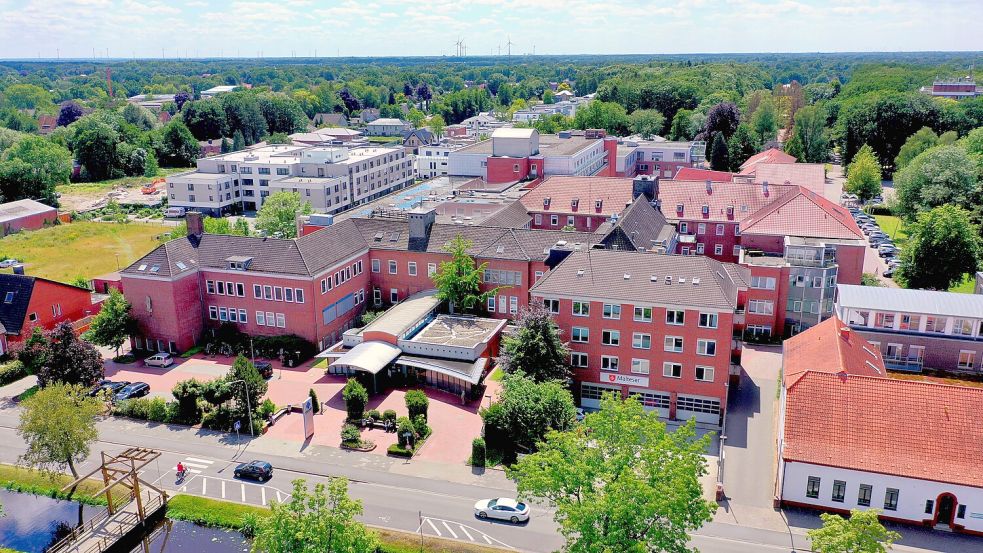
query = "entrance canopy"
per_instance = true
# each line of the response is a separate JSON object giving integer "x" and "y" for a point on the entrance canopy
{"x": 467, "y": 371}
{"x": 370, "y": 357}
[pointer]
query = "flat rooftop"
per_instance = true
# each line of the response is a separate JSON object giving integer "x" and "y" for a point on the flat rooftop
{"x": 274, "y": 153}
{"x": 22, "y": 208}
{"x": 549, "y": 145}
{"x": 402, "y": 317}
{"x": 467, "y": 332}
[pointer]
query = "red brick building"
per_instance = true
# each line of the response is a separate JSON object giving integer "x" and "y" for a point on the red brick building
{"x": 29, "y": 302}
{"x": 25, "y": 215}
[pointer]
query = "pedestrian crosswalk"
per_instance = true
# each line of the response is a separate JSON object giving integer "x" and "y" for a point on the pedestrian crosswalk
{"x": 202, "y": 480}
{"x": 195, "y": 466}
{"x": 450, "y": 529}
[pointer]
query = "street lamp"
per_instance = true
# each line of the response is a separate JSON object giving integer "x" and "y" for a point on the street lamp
{"x": 249, "y": 411}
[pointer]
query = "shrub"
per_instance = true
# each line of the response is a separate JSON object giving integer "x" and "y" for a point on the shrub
{"x": 266, "y": 409}
{"x": 374, "y": 415}
{"x": 420, "y": 427}
{"x": 314, "y": 401}
{"x": 478, "y": 452}
{"x": 404, "y": 427}
{"x": 399, "y": 451}
{"x": 216, "y": 392}
{"x": 12, "y": 371}
{"x": 219, "y": 418}
{"x": 188, "y": 394}
{"x": 355, "y": 398}
{"x": 157, "y": 410}
{"x": 389, "y": 415}
{"x": 350, "y": 435}
{"x": 417, "y": 403}
{"x": 496, "y": 435}
{"x": 138, "y": 408}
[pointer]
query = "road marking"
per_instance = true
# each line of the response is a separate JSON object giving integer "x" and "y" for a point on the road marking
{"x": 196, "y": 460}
{"x": 279, "y": 499}
{"x": 262, "y": 492}
{"x": 193, "y": 471}
{"x": 466, "y": 533}
{"x": 223, "y": 489}
{"x": 444, "y": 522}
{"x": 196, "y": 465}
{"x": 204, "y": 482}
{"x": 486, "y": 538}
{"x": 243, "y": 486}
{"x": 430, "y": 522}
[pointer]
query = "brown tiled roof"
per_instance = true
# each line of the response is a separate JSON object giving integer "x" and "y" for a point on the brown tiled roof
{"x": 771, "y": 155}
{"x": 614, "y": 193}
{"x": 830, "y": 347}
{"x": 602, "y": 274}
{"x": 810, "y": 175}
{"x": 802, "y": 212}
{"x": 746, "y": 199}
{"x": 898, "y": 427}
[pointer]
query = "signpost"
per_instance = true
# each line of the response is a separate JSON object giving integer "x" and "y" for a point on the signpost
{"x": 308, "y": 410}
{"x": 236, "y": 426}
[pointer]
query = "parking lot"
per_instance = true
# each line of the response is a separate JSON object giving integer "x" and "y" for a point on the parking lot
{"x": 884, "y": 258}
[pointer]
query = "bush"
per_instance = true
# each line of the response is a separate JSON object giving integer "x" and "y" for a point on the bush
{"x": 188, "y": 394}
{"x": 356, "y": 397}
{"x": 374, "y": 415}
{"x": 389, "y": 415}
{"x": 478, "y": 452}
{"x": 399, "y": 451}
{"x": 266, "y": 409}
{"x": 157, "y": 410}
{"x": 216, "y": 391}
{"x": 496, "y": 435}
{"x": 404, "y": 427}
{"x": 219, "y": 418}
{"x": 314, "y": 401}
{"x": 351, "y": 435}
{"x": 150, "y": 409}
{"x": 417, "y": 403}
{"x": 420, "y": 427}
{"x": 12, "y": 371}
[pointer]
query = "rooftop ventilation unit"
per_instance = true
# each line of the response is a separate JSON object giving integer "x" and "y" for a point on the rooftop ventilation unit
{"x": 561, "y": 243}
{"x": 580, "y": 272}
{"x": 696, "y": 282}
{"x": 627, "y": 276}
{"x": 653, "y": 278}
{"x": 668, "y": 279}
{"x": 682, "y": 280}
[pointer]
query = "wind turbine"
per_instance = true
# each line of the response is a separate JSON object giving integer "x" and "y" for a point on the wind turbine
{"x": 509, "y": 45}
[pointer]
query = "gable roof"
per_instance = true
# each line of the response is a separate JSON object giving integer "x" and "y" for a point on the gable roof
{"x": 640, "y": 227}
{"x": 514, "y": 215}
{"x": 424, "y": 135}
{"x": 771, "y": 155}
{"x": 801, "y": 212}
{"x": 614, "y": 193}
{"x": 693, "y": 173}
{"x": 745, "y": 198}
{"x": 20, "y": 288}
{"x": 897, "y": 427}
{"x": 810, "y": 175}
{"x": 830, "y": 347}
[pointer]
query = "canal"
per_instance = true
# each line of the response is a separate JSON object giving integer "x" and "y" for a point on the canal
{"x": 32, "y": 523}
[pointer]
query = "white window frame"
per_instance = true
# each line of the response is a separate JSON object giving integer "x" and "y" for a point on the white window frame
{"x": 702, "y": 345}
{"x": 672, "y": 370}
{"x": 411, "y": 268}
{"x": 711, "y": 317}
{"x": 639, "y": 366}
{"x": 641, "y": 317}
{"x": 669, "y": 344}
{"x": 673, "y": 321}
{"x": 610, "y": 337}
{"x": 609, "y": 363}
{"x": 611, "y": 311}
{"x": 638, "y": 340}
{"x": 579, "y": 360}
{"x": 580, "y": 334}
{"x": 707, "y": 371}
{"x": 584, "y": 308}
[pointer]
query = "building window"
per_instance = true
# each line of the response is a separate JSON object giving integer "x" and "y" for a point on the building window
{"x": 491, "y": 304}
{"x": 884, "y": 320}
{"x": 267, "y": 292}
{"x": 513, "y": 304}
{"x": 863, "y": 496}
{"x": 643, "y": 314}
{"x": 761, "y": 307}
{"x": 700, "y": 248}
{"x": 701, "y": 228}
{"x": 639, "y": 366}
{"x": 674, "y": 344}
{"x": 966, "y": 359}
{"x": 891, "y": 499}
{"x": 763, "y": 283}
{"x": 961, "y": 512}
{"x": 288, "y": 295}
{"x": 839, "y": 491}
{"x": 281, "y": 321}
{"x": 812, "y": 487}
{"x": 240, "y": 290}
{"x": 611, "y": 337}
{"x": 720, "y": 230}
{"x": 376, "y": 266}
{"x": 641, "y": 341}
{"x": 609, "y": 363}
{"x": 538, "y": 219}
{"x": 299, "y": 295}
{"x": 708, "y": 320}
{"x": 210, "y": 286}
{"x": 277, "y": 293}
{"x": 579, "y": 334}
{"x": 935, "y": 324}
{"x": 675, "y": 317}
{"x": 672, "y": 370}
{"x": 393, "y": 295}
{"x": 929, "y": 506}
{"x": 578, "y": 360}
{"x": 376, "y": 296}
{"x": 704, "y": 374}
{"x": 683, "y": 228}
{"x": 431, "y": 269}
{"x": 220, "y": 288}
{"x": 737, "y": 251}
{"x": 411, "y": 268}
{"x": 706, "y": 347}
{"x": 962, "y": 327}
{"x": 554, "y": 220}
{"x": 611, "y": 311}
{"x": 718, "y": 249}
{"x": 553, "y": 306}
{"x": 581, "y": 308}
{"x": 260, "y": 318}
{"x": 393, "y": 268}
{"x": 257, "y": 291}
{"x": 212, "y": 312}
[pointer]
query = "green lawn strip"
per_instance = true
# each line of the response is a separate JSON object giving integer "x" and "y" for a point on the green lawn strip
{"x": 25, "y": 480}
{"x": 497, "y": 375}
{"x": 967, "y": 286}
{"x": 104, "y": 185}
{"x": 235, "y": 516}
{"x": 893, "y": 227}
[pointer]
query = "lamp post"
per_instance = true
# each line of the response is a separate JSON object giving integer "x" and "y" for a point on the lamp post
{"x": 249, "y": 411}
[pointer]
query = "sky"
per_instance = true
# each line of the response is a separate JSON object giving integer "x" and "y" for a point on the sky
{"x": 302, "y": 28}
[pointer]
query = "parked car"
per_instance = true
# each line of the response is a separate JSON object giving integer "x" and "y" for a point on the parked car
{"x": 159, "y": 360}
{"x": 261, "y": 471}
{"x": 132, "y": 391}
{"x": 887, "y": 250}
{"x": 502, "y": 508}
{"x": 174, "y": 212}
{"x": 889, "y": 272}
{"x": 7, "y": 263}
{"x": 109, "y": 386}
{"x": 265, "y": 369}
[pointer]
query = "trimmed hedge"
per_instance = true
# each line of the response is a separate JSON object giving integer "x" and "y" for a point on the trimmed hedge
{"x": 399, "y": 451}
{"x": 478, "y": 452}
{"x": 12, "y": 371}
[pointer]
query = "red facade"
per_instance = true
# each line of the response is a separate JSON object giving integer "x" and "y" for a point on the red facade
{"x": 52, "y": 303}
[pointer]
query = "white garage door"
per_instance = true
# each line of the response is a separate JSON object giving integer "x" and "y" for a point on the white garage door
{"x": 703, "y": 409}
{"x": 590, "y": 394}
{"x": 650, "y": 399}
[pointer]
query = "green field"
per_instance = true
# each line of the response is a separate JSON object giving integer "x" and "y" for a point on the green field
{"x": 87, "y": 249}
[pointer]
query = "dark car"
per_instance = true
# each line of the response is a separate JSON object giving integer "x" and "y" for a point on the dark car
{"x": 265, "y": 369}
{"x": 108, "y": 386}
{"x": 260, "y": 471}
{"x": 131, "y": 391}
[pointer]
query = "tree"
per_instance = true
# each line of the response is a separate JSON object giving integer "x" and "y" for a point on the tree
{"x": 178, "y": 147}
{"x": 69, "y": 113}
{"x": 764, "y": 122}
{"x": 277, "y": 216}
{"x": 113, "y": 324}
{"x": 32, "y": 168}
{"x": 527, "y": 410}
{"x": 94, "y": 144}
{"x": 246, "y": 388}
{"x": 243, "y": 114}
{"x": 549, "y": 97}
{"x": 917, "y": 143}
{"x": 58, "y": 423}
{"x": 238, "y": 142}
{"x": 139, "y": 116}
{"x": 534, "y": 346}
{"x": 241, "y": 227}
{"x": 722, "y": 118}
{"x": 719, "y": 157}
{"x": 863, "y": 175}
{"x": 181, "y": 98}
{"x": 423, "y": 93}
{"x": 69, "y": 359}
{"x": 315, "y": 522}
{"x": 742, "y": 145}
{"x": 623, "y": 482}
{"x": 646, "y": 122}
{"x": 795, "y": 148}
{"x": 282, "y": 113}
{"x": 416, "y": 118}
{"x": 458, "y": 281}
{"x": 938, "y": 176}
{"x": 27, "y": 96}
{"x": 278, "y": 138}
{"x": 680, "y": 128}
{"x": 350, "y": 102}
{"x": 33, "y": 352}
{"x": 861, "y": 533}
{"x": 810, "y": 132}
{"x": 356, "y": 398}
{"x": 884, "y": 121}
{"x": 943, "y": 245}
{"x": 205, "y": 118}
{"x": 437, "y": 125}
{"x": 417, "y": 404}
{"x": 609, "y": 116}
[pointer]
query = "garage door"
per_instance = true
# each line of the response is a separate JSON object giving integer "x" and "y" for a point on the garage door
{"x": 590, "y": 394}
{"x": 703, "y": 409}
{"x": 652, "y": 400}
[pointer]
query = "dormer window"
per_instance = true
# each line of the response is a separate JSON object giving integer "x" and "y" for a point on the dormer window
{"x": 574, "y": 203}
{"x": 546, "y": 202}
{"x": 239, "y": 263}
{"x": 598, "y": 204}
{"x": 730, "y": 211}
{"x": 679, "y": 209}
{"x": 706, "y": 209}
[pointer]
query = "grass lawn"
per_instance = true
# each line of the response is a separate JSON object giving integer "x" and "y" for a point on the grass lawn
{"x": 103, "y": 186}
{"x": 497, "y": 374}
{"x": 382, "y": 139}
{"x": 895, "y": 228}
{"x": 87, "y": 249}
{"x": 25, "y": 480}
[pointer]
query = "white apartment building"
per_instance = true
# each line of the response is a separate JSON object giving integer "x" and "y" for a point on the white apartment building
{"x": 332, "y": 179}
{"x": 657, "y": 157}
{"x": 432, "y": 160}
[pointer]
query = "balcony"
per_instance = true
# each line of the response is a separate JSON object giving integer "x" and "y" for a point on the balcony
{"x": 739, "y": 316}
{"x": 905, "y": 364}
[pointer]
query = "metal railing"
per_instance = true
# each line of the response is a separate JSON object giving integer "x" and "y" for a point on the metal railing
{"x": 112, "y": 528}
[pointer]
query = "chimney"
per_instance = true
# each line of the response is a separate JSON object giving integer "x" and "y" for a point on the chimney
{"x": 845, "y": 332}
{"x": 421, "y": 221}
{"x": 196, "y": 225}
{"x": 709, "y": 186}
{"x": 645, "y": 185}
{"x": 764, "y": 188}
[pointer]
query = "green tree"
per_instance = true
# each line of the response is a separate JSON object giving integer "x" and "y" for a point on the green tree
{"x": 27, "y": 96}
{"x": 246, "y": 387}
{"x": 764, "y": 122}
{"x": 113, "y": 324}
{"x": 646, "y": 122}
{"x": 621, "y": 483}
{"x": 863, "y": 175}
{"x": 139, "y": 116}
{"x": 534, "y": 346}
{"x": 33, "y": 352}
{"x": 315, "y": 522}
{"x": 238, "y": 142}
{"x": 549, "y": 97}
{"x": 938, "y": 176}
{"x": 681, "y": 127}
{"x": 810, "y": 131}
{"x": 609, "y": 116}
{"x": 883, "y": 120}
{"x": 94, "y": 144}
{"x": 458, "y": 281}
{"x": 943, "y": 245}
{"x": 356, "y": 398}
{"x": 69, "y": 359}
{"x": 794, "y": 147}
{"x": 437, "y": 124}
{"x": 31, "y": 168}
{"x": 58, "y": 423}
{"x": 241, "y": 227}
{"x": 277, "y": 216}
{"x": 917, "y": 143}
{"x": 719, "y": 156}
{"x": 742, "y": 145}
{"x": 416, "y": 118}
{"x": 243, "y": 114}
{"x": 862, "y": 532}
{"x": 282, "y": 114}
{"x": 527, "y": 410}
{"x": 178, "y": 147}
{"x": 278, "y": 138}
{"x": 205, "y": 118}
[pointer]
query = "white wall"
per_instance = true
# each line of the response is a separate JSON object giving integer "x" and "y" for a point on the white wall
{"x": 911, "y": 499}
{"x": 467, "y": 165}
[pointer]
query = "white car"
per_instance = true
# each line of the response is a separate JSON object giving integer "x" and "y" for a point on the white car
{"x": 502, "y": 508}
{"x": 159, "y": 360}
{"x": 7, "y": 263}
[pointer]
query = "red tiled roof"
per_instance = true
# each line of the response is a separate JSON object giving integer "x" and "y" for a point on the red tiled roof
{"x": 898, "y": 427}
{"x": 830, "y": 347}
{"x": 810, "y": 175}
{"x": 692, "y": 173}
{"x": 614, "y": 193}
{"x": 771, "y": 155}
{"x": 746, "y": 199}
{"x": 804, "y": 213}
